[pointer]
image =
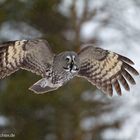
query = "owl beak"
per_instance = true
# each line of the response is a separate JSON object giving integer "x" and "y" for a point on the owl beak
{"x": 71, "y": 65}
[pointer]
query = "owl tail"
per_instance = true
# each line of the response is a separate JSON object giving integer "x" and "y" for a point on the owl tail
{"x": 42, "y": 86}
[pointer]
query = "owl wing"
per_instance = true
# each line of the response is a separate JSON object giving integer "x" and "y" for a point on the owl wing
{"x": 31, "y": 55}
{"x": 106, "y": 69}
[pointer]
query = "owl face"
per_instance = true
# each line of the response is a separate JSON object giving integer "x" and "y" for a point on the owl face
{"x": 71, "y": 63}
{"x": 68, "y": 61}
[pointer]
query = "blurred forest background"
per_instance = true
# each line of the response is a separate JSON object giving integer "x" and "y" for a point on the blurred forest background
{"x": 77, "y": 111}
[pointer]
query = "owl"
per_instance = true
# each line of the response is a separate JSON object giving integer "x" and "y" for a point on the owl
{"x": 103, "y": 68}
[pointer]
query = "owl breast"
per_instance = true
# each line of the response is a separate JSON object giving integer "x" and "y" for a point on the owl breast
{"x": 62, "y": 77}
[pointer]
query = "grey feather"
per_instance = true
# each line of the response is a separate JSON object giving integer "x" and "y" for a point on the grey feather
{"x": 104, "y": 68}
{"x": 43, "y": 86}
{"x": 31, "y": 55}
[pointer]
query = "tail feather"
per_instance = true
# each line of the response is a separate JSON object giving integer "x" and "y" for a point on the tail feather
{"x": 42, "y": 86}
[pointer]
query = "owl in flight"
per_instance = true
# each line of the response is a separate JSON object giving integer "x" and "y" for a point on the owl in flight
{"x": 103, "y": 68}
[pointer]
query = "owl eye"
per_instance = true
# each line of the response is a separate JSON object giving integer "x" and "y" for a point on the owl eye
{"x": 68, "y": 58}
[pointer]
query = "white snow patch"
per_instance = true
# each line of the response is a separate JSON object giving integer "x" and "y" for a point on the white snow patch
{"x": 14, "y": 31}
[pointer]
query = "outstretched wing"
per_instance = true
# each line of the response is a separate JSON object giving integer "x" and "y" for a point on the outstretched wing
{"x": 106, "y": 69}
{"x": 31, "y": 55}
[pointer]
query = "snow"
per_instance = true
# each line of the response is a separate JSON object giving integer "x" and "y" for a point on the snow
{"x": 3, "y": 121}
{"x": 64, "y": 7}
{"x": 19, "y": 30}
{"x": 88, "y": 30}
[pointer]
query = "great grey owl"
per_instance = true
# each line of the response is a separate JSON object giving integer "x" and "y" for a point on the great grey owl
{"x": 103, "y": 68}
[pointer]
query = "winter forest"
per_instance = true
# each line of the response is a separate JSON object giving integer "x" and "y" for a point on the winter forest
{"x": 78, "y": 110}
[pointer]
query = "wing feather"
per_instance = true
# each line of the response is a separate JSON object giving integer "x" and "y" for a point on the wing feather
{"x": 106, "y": 69}
{"x": 31, "y": 55}
{"x": 123, "y": 81}
{"x": 117, "y": 87}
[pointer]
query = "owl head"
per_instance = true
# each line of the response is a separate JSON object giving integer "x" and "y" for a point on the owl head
{"x": 67, "y": 62}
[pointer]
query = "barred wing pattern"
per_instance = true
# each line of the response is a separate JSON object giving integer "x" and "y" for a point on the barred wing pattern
{"x": 106, "y": 69}
{"x": 31, "y": 55}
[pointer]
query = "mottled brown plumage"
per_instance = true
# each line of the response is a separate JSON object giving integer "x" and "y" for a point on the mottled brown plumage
{"x": 106, "y": 69}
{"x": 103, "y": 68}
{"x": 34, "y": 56}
